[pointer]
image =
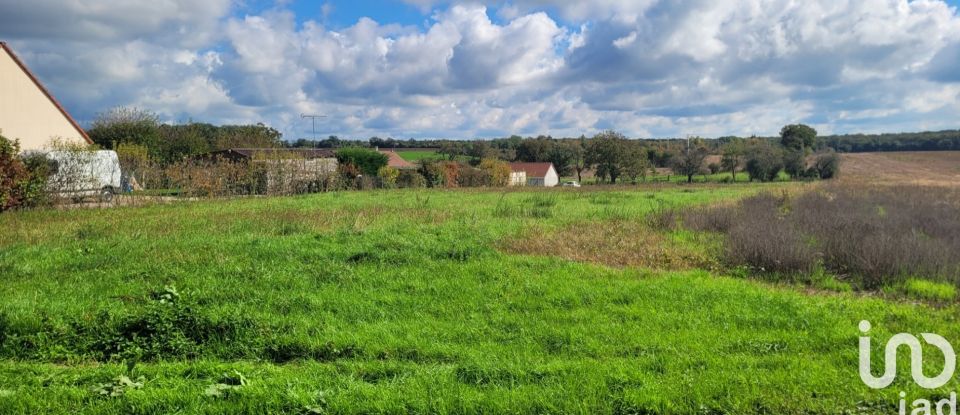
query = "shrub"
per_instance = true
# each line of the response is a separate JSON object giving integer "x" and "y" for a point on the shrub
{"x": 764, "y": 163}
{"x": 714, "y": 168}
{"x": 388, "y": 177}
{"x": 411, "y": 179}
{"x": 497, "y": 170}
{"x": 15, "y": 178}
{"x": 827, "y": 165}
{"x": 368, "y": 161}
{"x": 710, "y": 219}
{"x": 432, "y": 172}
{"x": 471, "y": 177}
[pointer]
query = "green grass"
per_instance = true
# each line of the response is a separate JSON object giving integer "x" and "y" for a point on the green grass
{"x": 928, "y": 290}
{"x": 417, "y": 155}
{"x": 398, "y": 302}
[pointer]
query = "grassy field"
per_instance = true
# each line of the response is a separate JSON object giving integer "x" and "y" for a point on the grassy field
{"x": 417, "y": 155}
{"x": 929, "y": 168}
{"x": 421, "y": 301}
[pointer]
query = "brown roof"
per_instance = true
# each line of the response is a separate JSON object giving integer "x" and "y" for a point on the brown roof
{"x": 43, "y": 89}
{"x": 532, "y": 169}
{"x": 396, "y": 161}
{"x": 247, "y": 153}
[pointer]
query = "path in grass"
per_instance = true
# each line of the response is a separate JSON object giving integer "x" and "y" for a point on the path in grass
{"x": 401, "y": 302}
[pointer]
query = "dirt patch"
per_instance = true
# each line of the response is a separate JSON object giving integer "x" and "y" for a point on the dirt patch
{"x": 931, "y": 168}
{"x": 614, "y": 243}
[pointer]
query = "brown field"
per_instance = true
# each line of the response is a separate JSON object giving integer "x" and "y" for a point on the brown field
{"x": 933, "y": 168}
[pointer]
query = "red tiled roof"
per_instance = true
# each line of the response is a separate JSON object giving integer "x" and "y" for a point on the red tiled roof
{"x": 396, "y": 161}
{"x": 532, "y": 169}
{"x": 36, "y": 81}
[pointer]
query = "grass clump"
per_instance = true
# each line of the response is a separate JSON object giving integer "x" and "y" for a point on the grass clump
{"x": 929, "y": 290}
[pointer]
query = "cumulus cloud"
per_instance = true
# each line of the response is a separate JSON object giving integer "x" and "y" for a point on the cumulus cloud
{"x": 644, "y": 67}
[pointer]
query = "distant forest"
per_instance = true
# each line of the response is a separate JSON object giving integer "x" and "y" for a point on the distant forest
{"x": 925, "y": 141}
{"x": 848, "y": 143}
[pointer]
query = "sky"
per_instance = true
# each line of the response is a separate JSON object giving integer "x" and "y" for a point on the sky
{"x": 485, "y": 69}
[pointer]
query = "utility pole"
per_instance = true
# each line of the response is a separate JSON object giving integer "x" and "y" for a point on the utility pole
{"x": 313, "y": 119}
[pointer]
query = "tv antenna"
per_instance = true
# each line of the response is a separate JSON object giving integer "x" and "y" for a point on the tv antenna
{"x": 313, "y": 119}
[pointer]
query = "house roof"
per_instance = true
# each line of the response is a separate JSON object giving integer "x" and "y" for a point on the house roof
{"x": 36, "y": 81}
{"x": 306, "y": 153}
{"x": 396, "y": 161}
{"x": 533, "y": 170}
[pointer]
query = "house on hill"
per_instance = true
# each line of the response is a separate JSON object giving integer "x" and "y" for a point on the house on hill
{"x": 535, "y": 174}
{"x": 28, "y": 112}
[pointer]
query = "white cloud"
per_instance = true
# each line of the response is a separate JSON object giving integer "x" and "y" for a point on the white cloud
{"x": 645, "y": 67}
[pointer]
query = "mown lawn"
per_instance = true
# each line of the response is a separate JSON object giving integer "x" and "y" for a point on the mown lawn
{"x": 408, "y": 301}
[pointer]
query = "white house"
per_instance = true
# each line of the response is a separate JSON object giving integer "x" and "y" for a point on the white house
{"x": 28, "y": 112}
{"x": 537, "y": 174}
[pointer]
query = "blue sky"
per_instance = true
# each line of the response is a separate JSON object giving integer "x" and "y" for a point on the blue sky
{"x": 425, "y": 69}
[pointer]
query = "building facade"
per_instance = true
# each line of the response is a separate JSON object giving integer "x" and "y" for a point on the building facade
{"x": 536, "y": 174}
{"x": 28, "y": 112}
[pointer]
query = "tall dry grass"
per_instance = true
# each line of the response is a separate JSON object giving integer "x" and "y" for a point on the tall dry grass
{"x": 875, "y": 236}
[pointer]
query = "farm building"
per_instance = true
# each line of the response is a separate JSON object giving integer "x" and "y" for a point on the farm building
{"x": 537, "y": 174}
{"x": 518, "y": 178}
{"x": 28, "y": 112}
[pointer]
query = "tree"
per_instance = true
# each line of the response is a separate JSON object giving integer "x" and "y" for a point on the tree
{"x": 635, "y": 162}
{"x": 606, "y": 152}
{"x": 247, "y": 136}
{"x": 578, "y": 157}
{"x": 451, "y": 149}
{"x": 732, "y": 158}
{"x": 689, "y": 162}
{"x": 479, "y": 150}
{"x": 794, "y": 163}
{"x": 366, "y": 160}
{"x": 562, "y": 158}
{"x": 127, "y": 125}
{"x": 534, "y": 150}
{"x": 764, "y": 161}
{"x": 798, "y": 137}
{"x": 179, "y": 141}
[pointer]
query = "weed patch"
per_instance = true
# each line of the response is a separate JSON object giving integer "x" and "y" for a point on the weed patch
{"x": 876, "y": 236}
{"x": 614, "y": 243}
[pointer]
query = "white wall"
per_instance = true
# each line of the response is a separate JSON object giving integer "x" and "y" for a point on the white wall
{"x": 26, "y": 113}
{"x": 552, "y": 178}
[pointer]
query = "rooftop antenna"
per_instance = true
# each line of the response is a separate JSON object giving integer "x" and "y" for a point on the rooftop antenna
{"x": 313, "y": 119}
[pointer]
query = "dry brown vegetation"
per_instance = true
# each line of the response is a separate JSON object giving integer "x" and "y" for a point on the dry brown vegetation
{"x": 873, "y": 236}
{"x": 933, "y": 168}
{"x": 618, "y": 243}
